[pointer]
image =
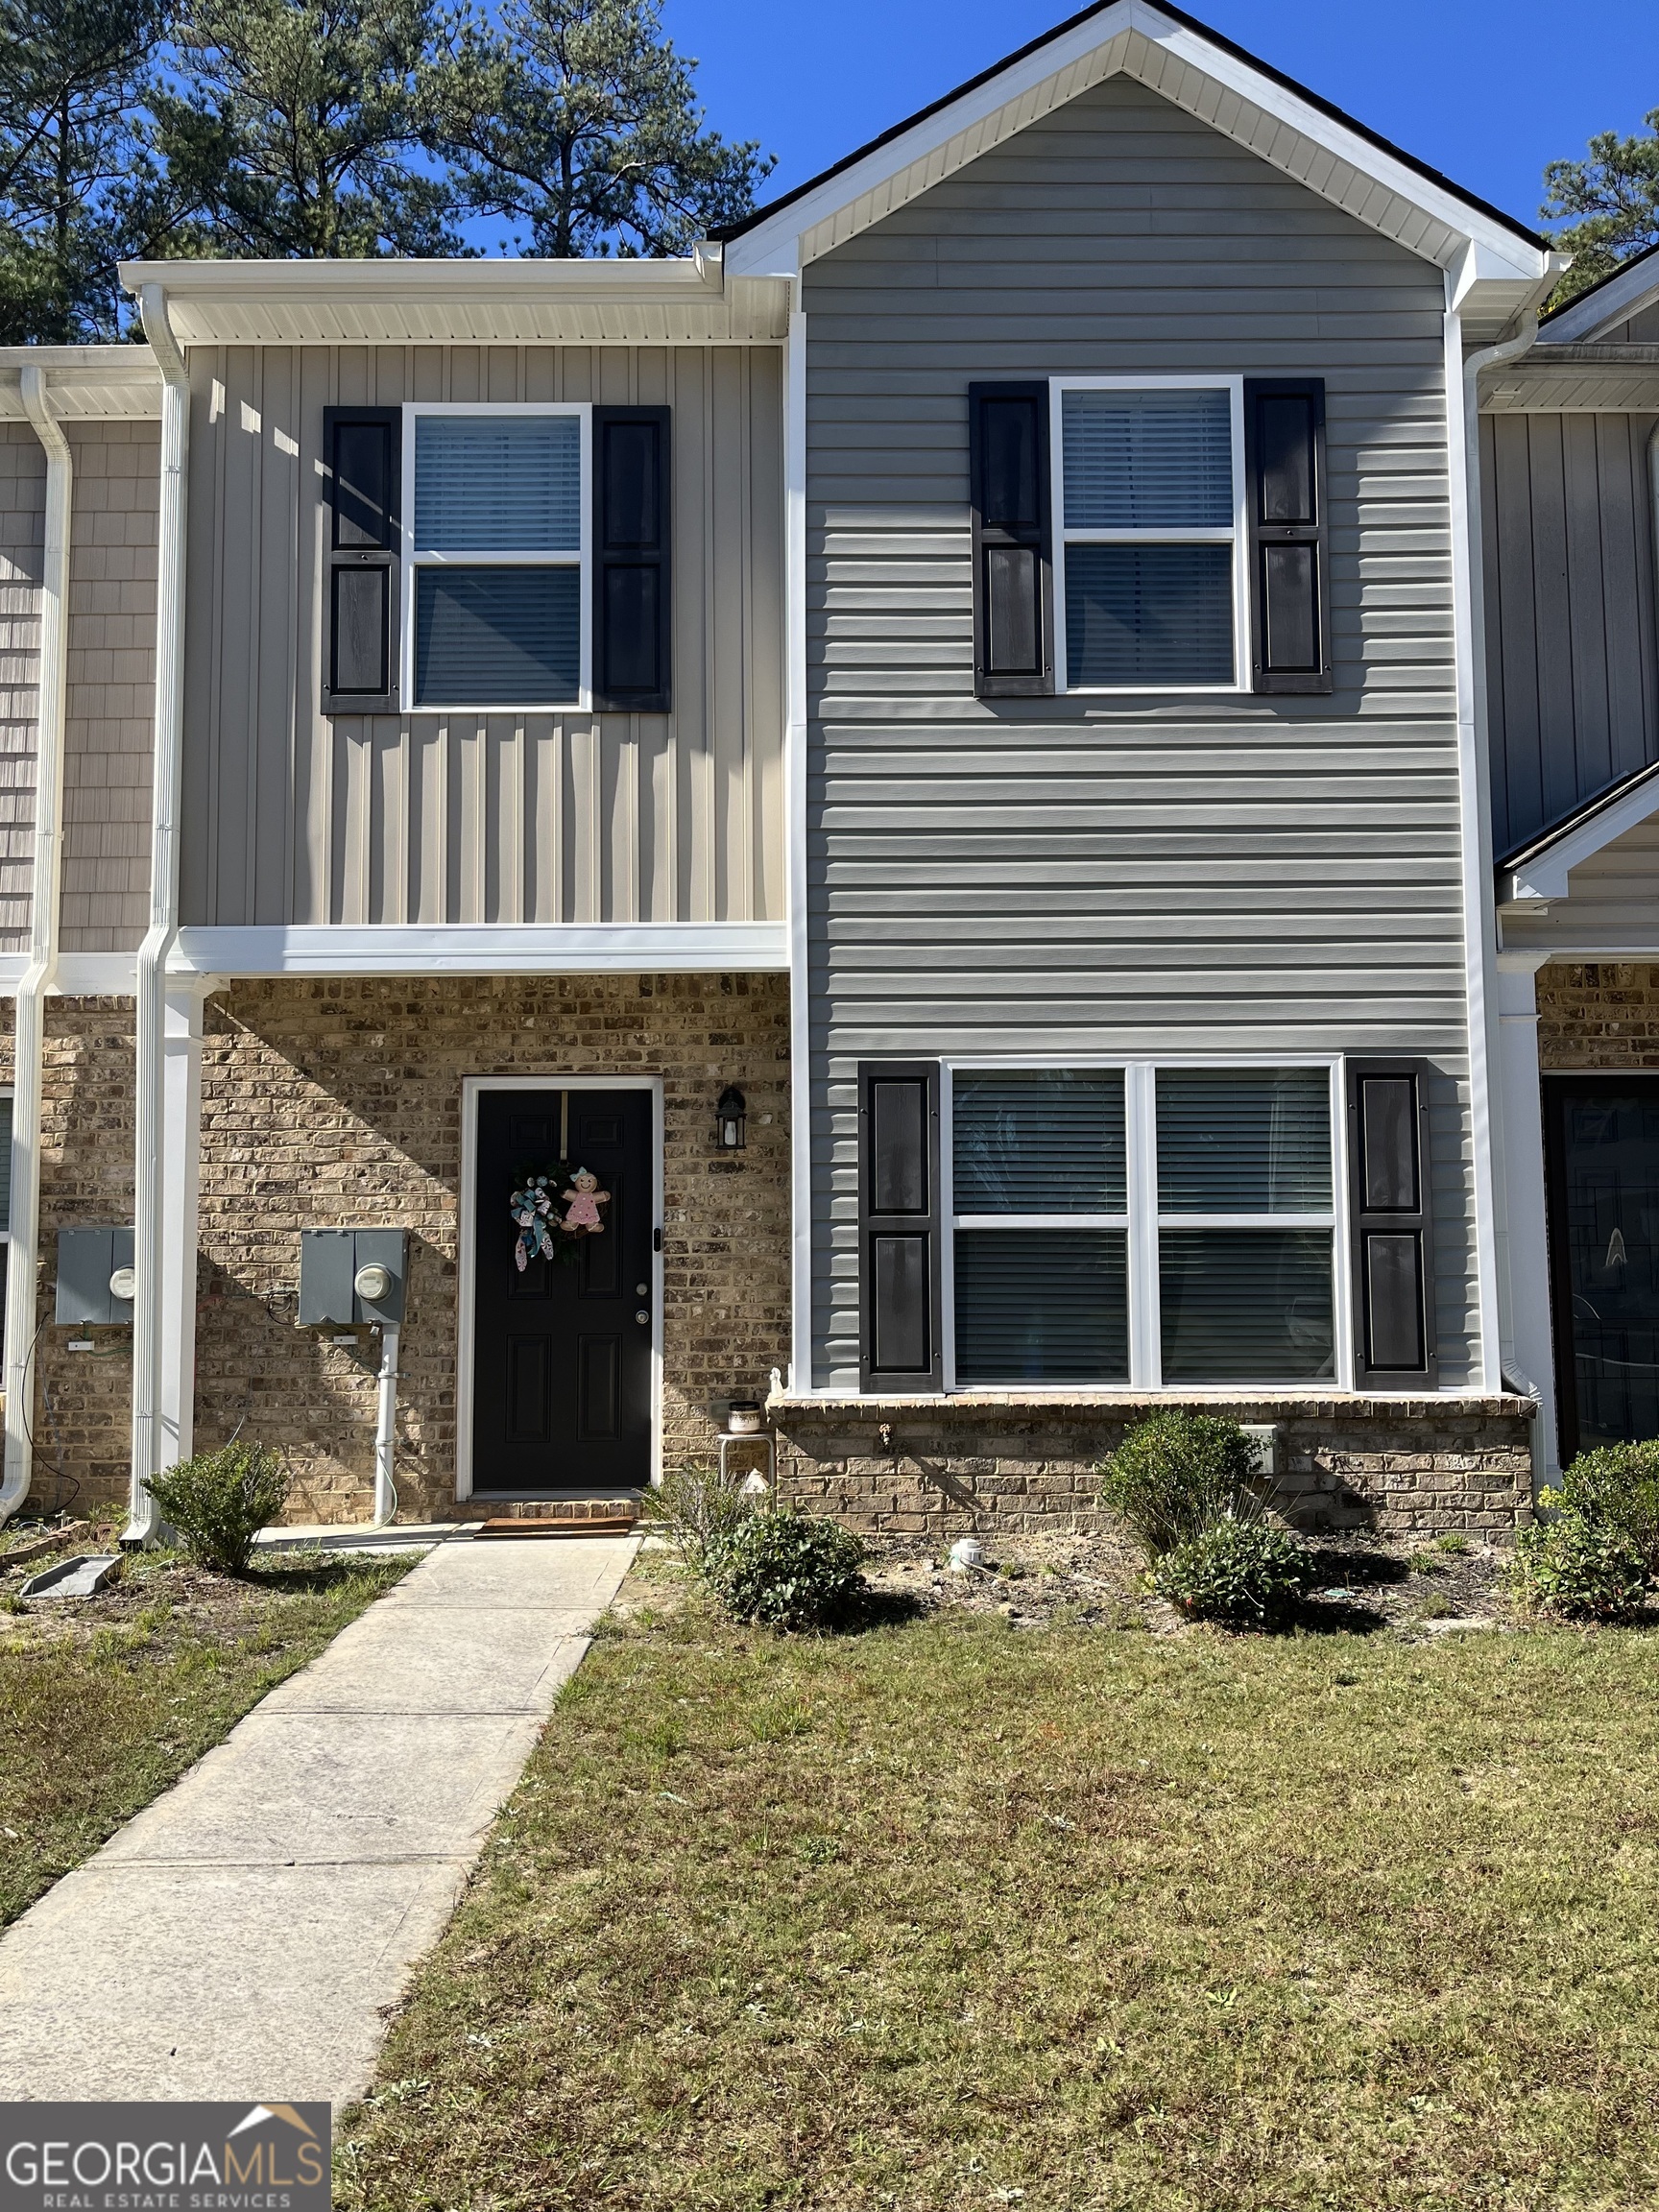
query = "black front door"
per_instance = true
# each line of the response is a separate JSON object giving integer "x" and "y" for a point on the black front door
{"x": 1603, "y": 1157}
{"x": 562, "y": 1346}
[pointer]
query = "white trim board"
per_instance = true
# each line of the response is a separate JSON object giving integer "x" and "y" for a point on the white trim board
{"x": 1220, "y": 88}
{"x": 80, "y": 974}
{"x": 471, "y": 1089}
{"x": 1623, "y": 293}
{"x": 488, "y": 949}
{"x": 1542, "y": 874}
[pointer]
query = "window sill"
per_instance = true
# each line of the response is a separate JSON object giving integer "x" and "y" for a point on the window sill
{"x": 1266, "y": 1403}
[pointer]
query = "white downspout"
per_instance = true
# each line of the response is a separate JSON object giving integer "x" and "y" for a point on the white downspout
{"x": 29, "y": 1036}
{"x": 149, "y": 1196}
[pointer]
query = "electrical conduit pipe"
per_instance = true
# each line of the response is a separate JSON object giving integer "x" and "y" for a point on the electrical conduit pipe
{"x": 150, "y": 1197}
{"x": 21, "y": 1274}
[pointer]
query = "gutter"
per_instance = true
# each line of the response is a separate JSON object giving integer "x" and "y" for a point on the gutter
{"x": 22, "y": 1293}
{"x": 149, "y": 1196}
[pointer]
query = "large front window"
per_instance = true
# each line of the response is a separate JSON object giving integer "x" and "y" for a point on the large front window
{"x": 1142, "y": 1226}
{"x": 497, "y": 557}
{"x": 1151, "y": 491}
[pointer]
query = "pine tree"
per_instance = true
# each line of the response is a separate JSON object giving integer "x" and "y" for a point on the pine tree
{"x": 1614, "y": 195}
{"x": 577, "y": 119}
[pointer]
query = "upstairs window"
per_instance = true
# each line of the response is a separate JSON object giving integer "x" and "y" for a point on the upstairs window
{"x": 480, "y": 558}
{"x": 498, "y": 557}
{"x": 1151, "y": 525}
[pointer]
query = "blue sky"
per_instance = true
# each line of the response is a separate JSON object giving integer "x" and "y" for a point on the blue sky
{"x": 1487, "y": 90}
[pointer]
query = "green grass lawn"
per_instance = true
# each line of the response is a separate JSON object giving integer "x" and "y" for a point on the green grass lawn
{"x": 105, "y": 1702}
{"x": 950, "y": 1914}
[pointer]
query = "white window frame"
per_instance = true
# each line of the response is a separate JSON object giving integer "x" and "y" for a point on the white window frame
{"x": 414, "y": 558}
{"x": 1143, "y": 1221}
{"x": 1237, "y": 535}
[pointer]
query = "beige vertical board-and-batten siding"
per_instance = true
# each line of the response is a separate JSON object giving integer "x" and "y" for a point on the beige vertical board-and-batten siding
{"x": 1087, "y": 875}
{"x": 295, "y": 817}
{"x": 1573, "y": 667}
{"x": 111, "y": 671}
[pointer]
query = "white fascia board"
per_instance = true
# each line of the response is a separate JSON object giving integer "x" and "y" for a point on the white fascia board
{"x": 87, "y": 383}
{"x": 773, "y": 247}
{"x": 1623, "y": 296}
{"x": 397, "y": 279}
{"x": 80, "y": 974}
{"x": 647, "y": 948}
{"x": 1544, "y": 877}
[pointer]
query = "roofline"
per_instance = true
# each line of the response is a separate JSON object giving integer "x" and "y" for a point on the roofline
{"x": 1579, "y": 299}
{"x": 726, "y": 231}
{"x": 697, "y": 274}
{"x": 1628, "y": 786}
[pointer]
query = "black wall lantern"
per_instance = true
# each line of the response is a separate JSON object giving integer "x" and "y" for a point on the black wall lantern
{"x": 729, "y": 1117}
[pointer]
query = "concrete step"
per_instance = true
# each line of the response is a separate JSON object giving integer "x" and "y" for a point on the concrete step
{"x": 606, "y": 1513}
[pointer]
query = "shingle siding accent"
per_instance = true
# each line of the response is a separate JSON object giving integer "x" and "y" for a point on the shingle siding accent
{"x": 1090, "y": 876}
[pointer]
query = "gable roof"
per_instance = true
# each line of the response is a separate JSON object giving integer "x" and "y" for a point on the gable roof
{"x": 1614, "y": 298}
{"x": 1539, "y": 869}
{"x": 1198, "y": 69}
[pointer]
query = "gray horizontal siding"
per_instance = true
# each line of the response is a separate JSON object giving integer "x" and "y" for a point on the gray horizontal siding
{"x": 1572, "y": 661}
{"x": 1086, "y": 876}
{"x": 295, "y": 817}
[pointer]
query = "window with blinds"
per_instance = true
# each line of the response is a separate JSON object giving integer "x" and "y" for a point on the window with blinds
{"x": 499, "y": 555}
{"x": 1156, "y": 1226}
{"x": 1149, "y": 539}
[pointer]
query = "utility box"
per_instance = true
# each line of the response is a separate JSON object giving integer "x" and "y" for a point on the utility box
{"x": 332, "y": 1262}
{"x": 88, "y": 1262}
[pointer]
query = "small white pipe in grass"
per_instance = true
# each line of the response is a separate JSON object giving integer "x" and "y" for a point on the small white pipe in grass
{"x": 29, "y": 1079}
{"x": 386, "y": 1428}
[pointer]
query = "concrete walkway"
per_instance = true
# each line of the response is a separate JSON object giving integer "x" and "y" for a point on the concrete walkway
{"x": 242, "y": 1937}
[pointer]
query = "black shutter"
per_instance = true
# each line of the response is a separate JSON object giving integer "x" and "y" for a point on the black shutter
{"x": 632, "y": 672}
{"x": 1289, "y": 549}
{"x": 361, "y": 473}
{"x": 1013, "y": 543}
{"x": 899, "y": 1225}
{"x": 1388, "y": 1204}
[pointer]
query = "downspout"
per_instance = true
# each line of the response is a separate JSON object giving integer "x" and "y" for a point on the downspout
{"x": 1509, "y": 1373}
{"x": 149, "y": 1196}
{"x": 22, "y": 1295}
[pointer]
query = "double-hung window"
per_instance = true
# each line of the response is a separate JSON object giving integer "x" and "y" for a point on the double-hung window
{"x": 1142, "y": 1225}
{"x": 1151, "y": 591}
{"x": 499, "y": 581}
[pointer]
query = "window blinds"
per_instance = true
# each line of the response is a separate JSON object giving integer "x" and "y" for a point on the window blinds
{"x": 1049, "y": 1142}
{"x": 1149, "y": 460}
{"x": 511, "y": 484}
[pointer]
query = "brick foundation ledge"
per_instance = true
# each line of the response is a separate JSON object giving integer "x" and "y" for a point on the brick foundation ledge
{"x": 1000, "y": 1461}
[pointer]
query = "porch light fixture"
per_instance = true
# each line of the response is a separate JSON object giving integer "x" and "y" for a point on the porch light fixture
{"x": 728, "y": 1118}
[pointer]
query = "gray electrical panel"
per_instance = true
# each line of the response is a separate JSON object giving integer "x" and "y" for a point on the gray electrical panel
{"x": 86, "y": 1259}
{"x": 330, "y": 1261}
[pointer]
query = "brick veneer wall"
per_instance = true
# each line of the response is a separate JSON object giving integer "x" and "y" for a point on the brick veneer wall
{"x": 1597, "y": 1014}
{"x": 940, "y": 1467}
{"x": 328, "y": 1103}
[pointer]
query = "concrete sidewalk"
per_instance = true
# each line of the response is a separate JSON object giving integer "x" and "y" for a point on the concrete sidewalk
{"x": 242, "y": 1936}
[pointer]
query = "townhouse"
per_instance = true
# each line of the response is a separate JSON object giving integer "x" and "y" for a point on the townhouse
{"x": 900, "y": 817}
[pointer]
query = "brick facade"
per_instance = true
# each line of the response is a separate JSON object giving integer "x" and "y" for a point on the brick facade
{"x": 336, "y": 1102}
{"x": 940, "y": 1467}
{"x": 1597, "y": 1014}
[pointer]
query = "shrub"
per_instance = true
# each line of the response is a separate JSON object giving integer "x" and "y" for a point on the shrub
{"x": 220, "y": 1500}
{"x": 1245, "y": 1572}
{"x": 1616, "y": 1490}
{"x": 699, "y": 1512}
{"x": 1177, "y": 1474}
{"x": 1575, "y": 1565}
{"x": 788, "y": 1569}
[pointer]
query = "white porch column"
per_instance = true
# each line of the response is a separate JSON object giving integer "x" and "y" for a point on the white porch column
{"x": 181, "y": 1192}
{"x": 1529, "y": 1338}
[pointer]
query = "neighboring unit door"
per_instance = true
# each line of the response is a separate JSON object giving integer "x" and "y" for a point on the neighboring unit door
{"x": 562, "y": 1348}
{"x": 1602, "y": 1176}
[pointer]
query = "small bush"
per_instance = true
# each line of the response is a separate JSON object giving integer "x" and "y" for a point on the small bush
{"x": 788, "y": 1569}
{"x": 697, "y": 1511}
{"x": 1576, "y": 1567}
{"x": 220, "y": 1500}
{"x": 1175, "y": 1475}
{"x": 1616, "y": 1490}
{"x": 1246, "y": 1573}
